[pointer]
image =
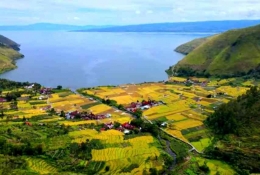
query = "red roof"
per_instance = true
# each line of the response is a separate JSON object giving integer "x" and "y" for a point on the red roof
{"x": 3, "y": 100}
{"x": 28, "y": 123}
{"x": 74, "y": 113}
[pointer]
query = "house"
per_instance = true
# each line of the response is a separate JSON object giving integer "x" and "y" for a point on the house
{"x": 145, "y": 107}
{"x": 43, "y": 97}
{"x": 108, "y": 115}
{"x": 128, "y": 126}
{"x": 45, "y": 90}
{"x": 29, "y": 87}
{"x": 109, "y": 125}
{"x": 164, "y": 124}
{"x": 28, "y": 123}
{"x": 2, "y": 100}
{"x": 71, "y": 115}
{"x": 103, "y": 129}
{"x": 126, "y": 131}
{"x": 46, "y": 108}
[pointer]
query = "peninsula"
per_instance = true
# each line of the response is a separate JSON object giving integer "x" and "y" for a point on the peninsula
{"x": 9, "y": 52}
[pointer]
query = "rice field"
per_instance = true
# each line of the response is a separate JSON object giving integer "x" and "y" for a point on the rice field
{"x": 99, "y": 109}
{"x": 182, "y": 111}
{"x": 201, "y": 144}
{"x": 216, "y": 166}
{"x": 40, "y": 166}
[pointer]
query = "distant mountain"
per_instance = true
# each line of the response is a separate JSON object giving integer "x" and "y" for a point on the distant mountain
{"x": 233, "y": 53}
{"x": 8, "y": 54}
{"x": 48, "y": 26}
{"x": 206, "y": 26}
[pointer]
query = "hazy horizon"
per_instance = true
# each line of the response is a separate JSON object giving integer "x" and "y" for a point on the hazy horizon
{"x": 82, "y": 25}
{"x": 113, "y": 12}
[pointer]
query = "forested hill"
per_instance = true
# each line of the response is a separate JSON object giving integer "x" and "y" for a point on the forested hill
{"x": 233, "y": 53}
{"x": 8, "y": 54}
{"x": 236, "y": 124}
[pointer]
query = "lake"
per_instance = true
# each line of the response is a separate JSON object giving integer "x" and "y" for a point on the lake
{"x": 77, "y": 60}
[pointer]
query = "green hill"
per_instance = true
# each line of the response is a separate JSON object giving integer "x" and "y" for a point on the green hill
{"x": 190, "y": 46}
{"x": 7, "y": 42}
{"x": 236, "y": 125}
{"x": 234, "y": 52}
{"x": 8, "y": 54}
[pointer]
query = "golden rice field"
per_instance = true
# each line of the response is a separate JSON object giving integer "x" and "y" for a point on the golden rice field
{"x": 108, "y": 154}
{"x": 125, "y": 99}
{"x": 99, "y": 108}
{"x": 185, "y": 124}
{"x": 136, "y": 150}
{"x": 180, "y": 79}
{"x": 176, "y": 133}
{"x": 232, "y": 91}
{"x": 75, "y": 123}
{"x": 176, "y": 117}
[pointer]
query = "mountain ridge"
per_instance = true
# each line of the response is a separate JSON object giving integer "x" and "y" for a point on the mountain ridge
{"x": 201, "y": 26}
{"x": 48, "y": 27}
{"x": 231, "y": 53}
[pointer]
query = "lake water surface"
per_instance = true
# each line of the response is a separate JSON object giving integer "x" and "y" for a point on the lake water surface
{"x": 77, "y": 60}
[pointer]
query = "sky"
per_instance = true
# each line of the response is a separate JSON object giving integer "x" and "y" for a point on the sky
{"x": 123, "y": 12}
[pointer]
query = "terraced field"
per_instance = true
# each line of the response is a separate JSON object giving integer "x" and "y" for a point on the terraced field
{"x": 186, "y": 106}
{"x": 40, "y": 166}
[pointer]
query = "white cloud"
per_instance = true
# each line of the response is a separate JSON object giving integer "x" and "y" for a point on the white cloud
{"x": 137, "y": 12}
{"x": 121, "y": 12}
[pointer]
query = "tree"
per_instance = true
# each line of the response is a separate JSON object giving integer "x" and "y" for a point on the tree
{"x": 59, "y": 87}
{"x": 117, "y": 125}
{"x": 62, "y": 113}
{"x": 120, "y": 107}
{"x": 138, "y": 113}
{"x": 137, "y": 122}
{"x": 9, "y": 131}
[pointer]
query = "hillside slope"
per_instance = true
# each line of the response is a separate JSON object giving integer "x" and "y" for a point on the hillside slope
{"x": 231, "y": 53}
{"x": 190, "y": 46}
{"x": 7, "y": 42}
{"x": 8, "y": 54}
{"x": 236, "y": 125}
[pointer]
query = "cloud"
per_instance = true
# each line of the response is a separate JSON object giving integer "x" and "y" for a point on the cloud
{"x": 137, "y": 12}
{"x": 121, "y": 12}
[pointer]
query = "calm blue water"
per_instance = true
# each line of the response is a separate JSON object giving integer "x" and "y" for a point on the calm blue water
{"x": 77, "y": 60}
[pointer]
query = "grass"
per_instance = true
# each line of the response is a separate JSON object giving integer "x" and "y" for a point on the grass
{"x": 7, "y": 56}
{"x": 225, "y": 54}
{"x": 216, "y": 166}
{"x": 201, "y": 144}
